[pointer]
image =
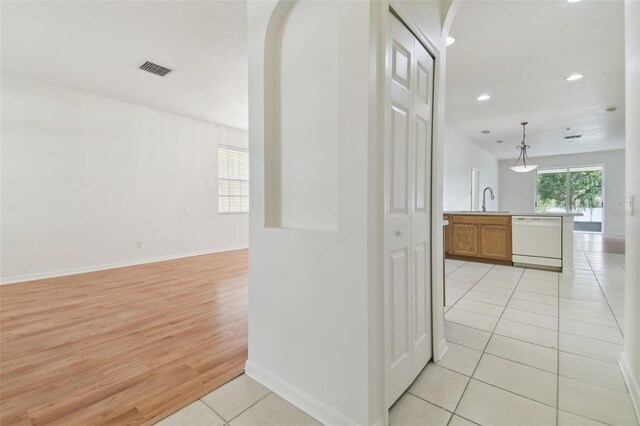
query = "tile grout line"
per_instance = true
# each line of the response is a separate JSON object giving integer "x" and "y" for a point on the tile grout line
{"x": 557, "y": 350}
{"x": 520, "y": 310}
{"x": 536, "y": 326}
{"x": 535, "y": 368}
{"x": 584, "y": 322}
{"x": 589, "y": 337}
{"x": 453, "y": 413}
{"x": 451, "y": 272}
{"x": 605, "y": 296}
{"x": 469, "y": 289}
{"x": 488, "y": 384}
{"x": 211, "y": 408}
{"x": 540, "y": 313}
{"x": 588, "y": 418}
{"x": 486, "y": 344}
{"x": 531, "y": 343}
{"x": 240, "y": 413}
{"x": 512, "y": 392}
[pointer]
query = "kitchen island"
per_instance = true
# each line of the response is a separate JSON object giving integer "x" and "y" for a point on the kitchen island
{"x": 535, "y": 240}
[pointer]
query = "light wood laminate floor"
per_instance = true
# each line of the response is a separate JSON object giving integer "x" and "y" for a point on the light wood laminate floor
{"x": 122, "y": 346}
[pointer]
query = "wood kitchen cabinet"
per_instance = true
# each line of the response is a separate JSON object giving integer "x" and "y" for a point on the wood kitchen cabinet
{"x": 464, "y": 239}
{"x": 495, "y": 241}
{"x": 478, "y": 237}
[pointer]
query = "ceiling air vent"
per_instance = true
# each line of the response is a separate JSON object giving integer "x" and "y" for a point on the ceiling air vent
{"x": 155, "y": 69}
{"x": 573, "y": 137}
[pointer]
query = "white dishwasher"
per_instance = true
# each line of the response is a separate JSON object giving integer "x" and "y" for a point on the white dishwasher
{"x": 537, "y": 241}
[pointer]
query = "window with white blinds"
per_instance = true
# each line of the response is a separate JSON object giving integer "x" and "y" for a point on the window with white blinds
{"x": 233, "y": 180}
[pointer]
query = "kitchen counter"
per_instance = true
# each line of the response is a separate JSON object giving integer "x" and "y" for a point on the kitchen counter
{"x": 505, "y": 213}
{"x": 487, "y": 236}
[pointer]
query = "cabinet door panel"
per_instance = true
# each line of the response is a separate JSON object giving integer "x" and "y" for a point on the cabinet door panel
{"x": 464, "y": 239}
{"x": 495, "y": 241}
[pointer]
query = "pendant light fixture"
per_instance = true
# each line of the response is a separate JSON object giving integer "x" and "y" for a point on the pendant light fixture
{"x": 526, "y": 163}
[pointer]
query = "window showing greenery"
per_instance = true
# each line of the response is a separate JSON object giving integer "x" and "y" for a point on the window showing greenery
{"x": 576, "y": 189}
{"x": 552, "y": 190}
{"x": 233, "y": 180}
{"x": 585, "y": 190}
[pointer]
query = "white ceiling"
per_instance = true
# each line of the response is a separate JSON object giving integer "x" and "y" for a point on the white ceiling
{"x": 521, "y": 52}
{"x": 97, "y": 47}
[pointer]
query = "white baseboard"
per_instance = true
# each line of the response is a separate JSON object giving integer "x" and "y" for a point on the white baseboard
{"x": 380, "y": 422}
{"x": 72, "y": 271}
{"x": 442, "y": 349}
{"x": 307, "y": 403}
{"x": 632, "y": 384}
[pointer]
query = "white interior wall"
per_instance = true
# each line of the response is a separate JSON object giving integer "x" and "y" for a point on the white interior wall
{"x": 85, "y": 177}
{"x": 460, "y": 156}
{"x": 630, "y": 361}
{"x": 517, "y": 190}
{"x": 315, "y": 308}
{"x": 308, "y": 141}
{"x": 308, "y": 288}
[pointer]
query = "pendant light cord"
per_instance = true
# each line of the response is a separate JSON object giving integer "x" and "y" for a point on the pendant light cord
{"x": 523, "y": 148}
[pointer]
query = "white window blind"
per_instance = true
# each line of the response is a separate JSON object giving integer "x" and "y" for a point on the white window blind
{"x": 233, "y": 180}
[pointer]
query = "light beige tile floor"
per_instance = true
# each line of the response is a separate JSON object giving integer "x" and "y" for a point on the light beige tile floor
{"x": 542, "y": 348}
{"x": 526, "y": 347}
{"x": 245, "y": 402}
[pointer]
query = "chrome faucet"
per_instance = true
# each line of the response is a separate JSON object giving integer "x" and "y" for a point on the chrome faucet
{"x": 484, "y": 201}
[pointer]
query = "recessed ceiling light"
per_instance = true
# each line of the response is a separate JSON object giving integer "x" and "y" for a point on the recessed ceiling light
{"x": 574, "y": 77}
{"x": 484, "y": 97}
{"x": 573, "y": 1}
{"x": 450, "y": 40}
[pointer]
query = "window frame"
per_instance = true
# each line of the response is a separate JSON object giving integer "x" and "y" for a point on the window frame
{"x": 229, "y": 179}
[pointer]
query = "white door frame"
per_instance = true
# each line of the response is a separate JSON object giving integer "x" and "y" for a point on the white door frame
{"x": 439, "y": 346}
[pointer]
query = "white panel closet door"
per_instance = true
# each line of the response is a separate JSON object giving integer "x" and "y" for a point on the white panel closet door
{"x": 421, "y": 207}
{"x": 407, "y": 209}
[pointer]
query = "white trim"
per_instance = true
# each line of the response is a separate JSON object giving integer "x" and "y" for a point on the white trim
{"x": 416, "y": 29}
{"x": 307, "y": 403}
{"x": 380, "y": 422}
{"x": 72, "y": 271}
{"x": 532, "y": 261}
{"x": 632, "y": 384}
{"x": 442, "y": 349}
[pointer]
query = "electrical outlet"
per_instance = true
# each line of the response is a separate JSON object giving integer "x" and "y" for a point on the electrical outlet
{"x": 138, "y": 244}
